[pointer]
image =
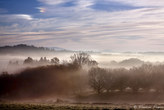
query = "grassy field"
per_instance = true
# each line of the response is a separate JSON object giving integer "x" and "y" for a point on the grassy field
{"x": 62, "y": 107}
{"x": 79, "y": 107}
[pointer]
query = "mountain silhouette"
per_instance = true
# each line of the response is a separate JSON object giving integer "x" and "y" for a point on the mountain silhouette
{"x": 23, "y": 49}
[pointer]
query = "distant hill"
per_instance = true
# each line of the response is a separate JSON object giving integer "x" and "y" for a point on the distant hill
{"x": 57, "y": 49}
{"x": 28, "y": 49}
{"x": 131, "y": 61}
{"x": 128, "y": 62}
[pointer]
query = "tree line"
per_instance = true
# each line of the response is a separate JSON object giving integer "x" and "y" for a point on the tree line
{"x": 43, "y": 60}
{"x": 72, "y": 77}
{"x": 146, "y": 78}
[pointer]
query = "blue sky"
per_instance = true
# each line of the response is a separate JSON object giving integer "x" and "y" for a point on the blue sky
{"x": 19, "y": 6}
{"x": 118, "y": 25}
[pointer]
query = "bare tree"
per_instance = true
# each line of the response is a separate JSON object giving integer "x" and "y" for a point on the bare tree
{"x": 82, "y": 58}
{"x": 136, "y": 78}
{"x": 55, "y": 60}
{"x": 120, "y": 78}
{"x": 109, "y": 81}
{"x": 97, "y": 79}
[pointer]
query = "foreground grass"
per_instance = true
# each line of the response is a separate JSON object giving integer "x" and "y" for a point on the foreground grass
{"x": 78, "y": 107}
{"x": 61, "y": 107}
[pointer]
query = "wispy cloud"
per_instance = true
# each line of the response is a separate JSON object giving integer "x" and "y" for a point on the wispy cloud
{"x": 53, "y": 2}
{"x": 121, "y": 25}
{"x": 146, "y": 3}
{"x": 14, "y": 17}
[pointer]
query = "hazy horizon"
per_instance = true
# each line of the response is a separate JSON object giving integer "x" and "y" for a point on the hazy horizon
{"x": 78, "y": 50}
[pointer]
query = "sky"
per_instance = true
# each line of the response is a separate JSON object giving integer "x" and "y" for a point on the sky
{"x": 98, "y": 25}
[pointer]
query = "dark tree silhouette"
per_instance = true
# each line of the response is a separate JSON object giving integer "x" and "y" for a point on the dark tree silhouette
{"x": 29, "y": 60}
{"x": 109, "y": 81}
{"x": 55, "y": 60}
{"x": 44, "y": 61}
{"x": 120, "y": 79}
{"x": 41, "y": 60}
{"x": 13, "y": 63}
{"x": 82, "y": 58}
{"x": 97, "y": 79}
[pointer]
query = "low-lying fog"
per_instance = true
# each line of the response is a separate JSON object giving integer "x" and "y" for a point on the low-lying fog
{"x": 105, "y": 60}
{"x": 136, "y": 77}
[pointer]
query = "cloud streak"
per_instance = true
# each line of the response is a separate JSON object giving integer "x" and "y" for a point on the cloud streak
{"x": 120, "y": 25}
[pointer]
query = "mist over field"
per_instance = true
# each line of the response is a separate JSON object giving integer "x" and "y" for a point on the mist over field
{"x": 105, "y": 59}
{"x": 62, "y": 76}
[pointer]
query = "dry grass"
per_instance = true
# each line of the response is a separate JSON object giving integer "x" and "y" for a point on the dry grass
{"x": 15, "y": 106}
